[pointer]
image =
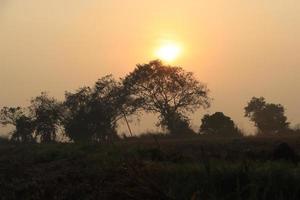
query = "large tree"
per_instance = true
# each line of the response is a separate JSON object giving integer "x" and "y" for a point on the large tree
{"x": 267, "y": 117}
{"x": 92, "y": 113}
{"x": 24, "y": 125}
{"x": 218, "y": 123}
{"x": 167, "y": 90}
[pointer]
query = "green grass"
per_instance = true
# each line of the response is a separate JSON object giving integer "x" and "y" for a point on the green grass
{"x": 194, "y": 167}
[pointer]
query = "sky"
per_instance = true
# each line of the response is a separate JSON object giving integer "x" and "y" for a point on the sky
{"x": 239, "y": 48}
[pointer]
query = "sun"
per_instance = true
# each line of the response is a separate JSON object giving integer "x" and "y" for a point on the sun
{"x": 168, "y": 52}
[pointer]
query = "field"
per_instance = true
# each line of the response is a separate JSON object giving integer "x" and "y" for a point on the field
{"x": 154, "y": 167}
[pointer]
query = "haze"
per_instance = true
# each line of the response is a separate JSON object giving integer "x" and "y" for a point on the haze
{"x": 239, "y": 48}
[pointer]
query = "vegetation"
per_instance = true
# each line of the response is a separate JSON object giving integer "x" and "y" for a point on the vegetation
{"x": 169, "y": 91}
{"x": 96, "y": 163}
{"x": 173, "y": 167}
{"x": 268, "y": 117}
{"x": 92, "y": 113}
{"x": 218, "y": 123}
{"x": 47, "y": 115}
{"x": 23, "y": 123}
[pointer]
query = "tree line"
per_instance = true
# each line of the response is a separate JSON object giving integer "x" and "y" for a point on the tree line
{"x": 91, "y": 114}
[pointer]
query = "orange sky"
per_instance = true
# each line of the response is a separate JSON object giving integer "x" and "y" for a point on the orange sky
{"x": 239, "y": 48}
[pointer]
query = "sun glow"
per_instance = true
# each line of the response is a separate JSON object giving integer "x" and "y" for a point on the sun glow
{"x": 168, "y": 52}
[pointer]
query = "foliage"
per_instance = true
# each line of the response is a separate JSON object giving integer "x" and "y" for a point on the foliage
{"x": 47, "y": 114}
{"x": 24, "y": 125}
{"x": 41, "y": 119}
{"x": 10, "y": 115}
{"x": 24, "y": 130}
{"x": 268, "y": 117}
{"x": 177, "y": 124}
{"x": 218, "y": 123}
{"x": 169, "y": 91}
{"x": 92, "y": 113}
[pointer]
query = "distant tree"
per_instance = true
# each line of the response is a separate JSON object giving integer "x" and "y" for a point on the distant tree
{"x": 218, "y": 123}
{"x": 92, "y": 113}
{"x": 24, "y": 125}
{"x": 24, "y": 130}
{"x": 267, "y": 117}
{"x": 177, "y": 124}
{"x": 169, "y": 91}
{"x": 47, "y": 113}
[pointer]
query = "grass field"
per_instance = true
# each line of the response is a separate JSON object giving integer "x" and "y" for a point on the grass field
{"x": 161, "y": 167}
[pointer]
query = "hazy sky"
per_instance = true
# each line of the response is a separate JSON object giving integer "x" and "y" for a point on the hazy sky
{"x": 240, "y": 48}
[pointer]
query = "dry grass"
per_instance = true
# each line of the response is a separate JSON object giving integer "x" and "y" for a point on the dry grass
{"x": 161, "y": 167}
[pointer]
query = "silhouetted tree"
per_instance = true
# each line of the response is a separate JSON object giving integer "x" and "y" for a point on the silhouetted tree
{"x": 267, "y": 117}
{"x": 24, "y": 125}
{"x": 169, "y": 91}
{"x": 176, "y": 124}
{"x": 24, "y": 130}
{"x": 47, "y": 113}
{"x": 76, "y": 122}
{"x": 92, "y": 113}
{"x": 218, "y": 123}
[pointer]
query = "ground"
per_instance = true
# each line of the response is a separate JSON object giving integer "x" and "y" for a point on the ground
{"x": 154, "y": 167}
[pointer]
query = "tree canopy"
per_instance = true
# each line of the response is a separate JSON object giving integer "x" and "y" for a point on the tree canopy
{"x": 267, "y": 117}
{"x": 92, "y": 113}
{"x": 24, "y": 125}
{"x": 218, "y": 123}
{"x": 47, "y": 114}
{"x": 167, "y": 90}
